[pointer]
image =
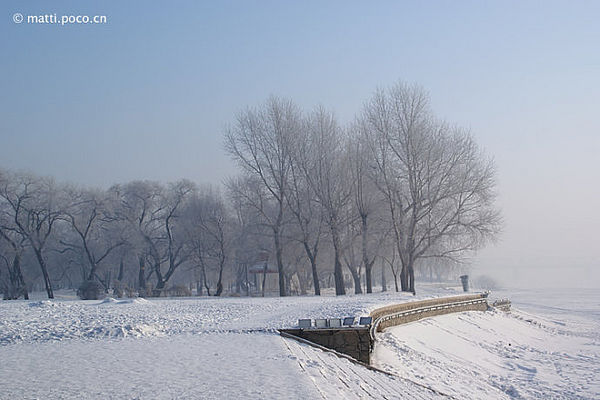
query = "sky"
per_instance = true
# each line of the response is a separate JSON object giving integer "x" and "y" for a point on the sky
{"x": 148, "y": 94}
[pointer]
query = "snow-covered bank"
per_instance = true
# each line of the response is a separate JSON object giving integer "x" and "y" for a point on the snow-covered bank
{"x": 228, "y": 348}
{"x": 520, "y": 354}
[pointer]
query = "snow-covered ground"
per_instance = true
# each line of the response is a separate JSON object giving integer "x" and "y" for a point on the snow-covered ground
{"x": 229, "y": 348}
{"x": 548, "y": 346}
{"x": 493, "y": 355}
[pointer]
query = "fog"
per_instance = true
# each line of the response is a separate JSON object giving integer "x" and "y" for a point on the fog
{"x": 149, "y": 94}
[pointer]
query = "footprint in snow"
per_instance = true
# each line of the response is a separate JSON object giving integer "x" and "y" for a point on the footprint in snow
{"x": 531, "y": 370}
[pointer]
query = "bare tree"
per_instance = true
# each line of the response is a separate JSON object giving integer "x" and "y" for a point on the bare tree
{"x": 261, "y": 142}
{"x": 154, "y": 214}
{"x": 33, "y": 204}
{"x": 383, "y": 280}
{"x": 97, "y": 231}
{"x": 308, "y": 214}
{"x": 392, "y": 263}
{"x": 438, "y": 185}
{"x": 140, "y": 206}
{"x": 209, "y": 229}
{"x": 350, "y": 234}
{"x": 325, "y": 167}
{"x": 15, "y": 286}
{"x": 177, "y": 246}
{"x": 251, "y": 237}
{"x": 366, "y": 199}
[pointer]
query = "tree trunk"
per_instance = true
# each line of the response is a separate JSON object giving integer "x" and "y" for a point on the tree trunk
{"x": 18, "y": 276}
{"x": 383, "y": 282}
{"x": 411, "y": 278}
{"x": 288, "y": 284}
{"x": 264, "y": 279}
{"x": 246, "y": 282}
{"x": 42, "y": 262}
{"x": 369, "y": 276}
{"x": 11, "y": 289}
{"x": 365, "y": 255}
{"x": 92, "y": 272}
{"x": 107, "y": 280}
{"x": 121, "y": 271}
{"x": 313, "y": 266}
{"x": 302, "y": 283}
{"x": 142, "y": 273}
{"x": 279, "y": 258}
{"x": 219, "y": 281}
{"x": 395, "y": 274}
{"x": 160, "y": 281}
{"x": 337, "y": 269}
{"x": 404, "y": 278}
{"x": 205, "y": 280}
{"x": 356, "y": 278}
{"x": 160, "y": 286}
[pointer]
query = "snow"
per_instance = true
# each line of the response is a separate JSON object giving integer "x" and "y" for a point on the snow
{"x": 199, "y": 366}
{"x": 554, "y": 354}
{"x": 22, "y": 321}
{"x": 229, "y": 348}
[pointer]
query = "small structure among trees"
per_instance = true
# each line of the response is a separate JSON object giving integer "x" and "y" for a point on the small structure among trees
{"x": 264, "y": 277}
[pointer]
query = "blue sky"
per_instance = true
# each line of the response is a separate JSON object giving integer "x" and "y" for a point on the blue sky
{"x": 147, "y": 95}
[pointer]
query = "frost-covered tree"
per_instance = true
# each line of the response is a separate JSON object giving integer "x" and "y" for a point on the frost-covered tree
{"x": 98, "y": 231}
{"x": 208, "y": 226}
{"x": 31, "y": 208}
{"x": 438, "y": 185}
{"x": 367, "y": 204}
{"x": 261, "y": 142}
{"x": 154, "y": 214}
{"x": 251, "y": 237}
{"x": 12, "y": 246}
{"x": 325, "y": 164}
{"x": 308, "y": 226}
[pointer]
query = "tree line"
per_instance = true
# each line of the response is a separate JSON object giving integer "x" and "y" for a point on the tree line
{"x": 322, "y": 201}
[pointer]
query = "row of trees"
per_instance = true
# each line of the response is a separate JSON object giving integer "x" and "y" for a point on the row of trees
{"x": 77, "y": 235}
{"x": 397, "y": 183}
{"x": 397, "y": 187}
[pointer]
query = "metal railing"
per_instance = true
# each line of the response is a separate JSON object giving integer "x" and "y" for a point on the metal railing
{"x": 424, "y": 309}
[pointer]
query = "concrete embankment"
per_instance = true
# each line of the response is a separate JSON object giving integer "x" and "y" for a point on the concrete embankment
{"x": 357, "y": 342}
{"x": 398, "y": 314}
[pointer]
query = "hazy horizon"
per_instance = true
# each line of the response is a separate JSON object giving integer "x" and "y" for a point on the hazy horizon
{"x": 148, "y": 94}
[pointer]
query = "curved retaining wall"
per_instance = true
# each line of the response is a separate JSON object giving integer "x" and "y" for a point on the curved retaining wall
{"x": 415, "y": 310}
{"x": 354, "y": 342}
